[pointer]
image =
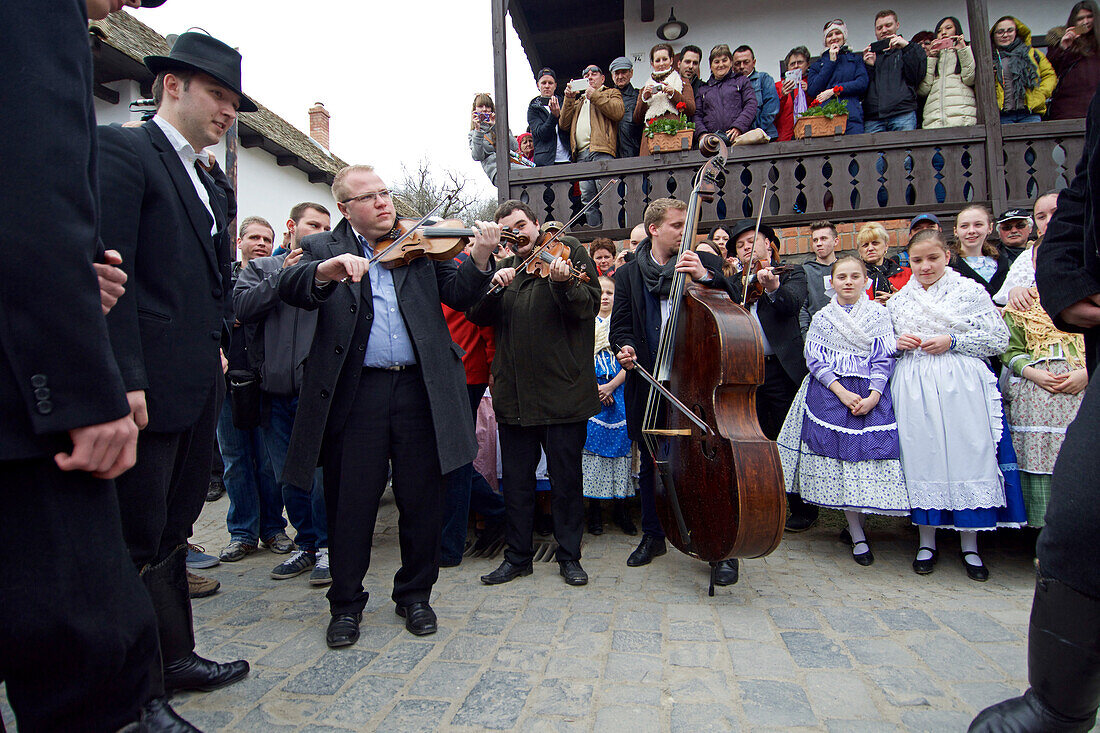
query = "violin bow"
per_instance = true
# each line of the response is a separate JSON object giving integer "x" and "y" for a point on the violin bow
{"x": 752, "y": 256}
{"x": 401, "y": 240}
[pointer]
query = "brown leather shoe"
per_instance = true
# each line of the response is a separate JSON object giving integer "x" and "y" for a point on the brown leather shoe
{"x": 201, "y": 587}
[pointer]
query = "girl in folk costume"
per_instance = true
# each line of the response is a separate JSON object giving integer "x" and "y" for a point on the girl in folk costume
{"x": 605, "y": 461}
{"x": 665, "y": 94}
{"x": 839, "y": 443}
{"x": 947, "y": 404}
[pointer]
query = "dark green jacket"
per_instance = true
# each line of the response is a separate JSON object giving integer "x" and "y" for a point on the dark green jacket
{"x": 543, "y": 370}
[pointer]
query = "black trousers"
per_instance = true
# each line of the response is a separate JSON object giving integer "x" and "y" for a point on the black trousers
{"x": 161, "y": 497}
{"x": 390, "y": 422}
{"x": 774, "y": 397}
{"x": 1068, "y": 548}
{"x": 519, "y": 456}
{"x": 78, "y": 638}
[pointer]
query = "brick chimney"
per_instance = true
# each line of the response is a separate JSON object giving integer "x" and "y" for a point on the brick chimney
{"x": 318, "y": 124}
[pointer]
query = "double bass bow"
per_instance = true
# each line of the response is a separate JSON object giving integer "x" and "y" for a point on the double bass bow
{"x": 719, "y": 488}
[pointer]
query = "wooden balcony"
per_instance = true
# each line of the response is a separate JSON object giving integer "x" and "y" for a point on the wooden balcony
{"x": 844, "y": 179}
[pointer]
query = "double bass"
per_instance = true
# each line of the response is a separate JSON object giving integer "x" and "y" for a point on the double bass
{"x": 719, "y": 488}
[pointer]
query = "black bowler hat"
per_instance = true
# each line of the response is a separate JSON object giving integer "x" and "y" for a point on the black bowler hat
{"x": 151, "y": 3}
{"x": 748, "y": 225}
{"x": 206, "y": 54}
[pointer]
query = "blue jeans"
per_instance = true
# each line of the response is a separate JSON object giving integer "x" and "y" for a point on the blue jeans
{"x": 898, "y": 123}
{"x": 589, "y": 188}
{"x": 304, "y": 507}
{"x": 255, "y": 507}
{"x": 1020, "y": 115}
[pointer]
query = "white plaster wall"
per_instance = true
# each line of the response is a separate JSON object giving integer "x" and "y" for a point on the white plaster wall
{"x": 264, "y": 188}
{"x": 772, "y": 29}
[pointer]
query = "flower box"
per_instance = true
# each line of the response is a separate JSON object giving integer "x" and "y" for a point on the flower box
{"x": 662, "y": 142}
{"x": 820, "y": 126}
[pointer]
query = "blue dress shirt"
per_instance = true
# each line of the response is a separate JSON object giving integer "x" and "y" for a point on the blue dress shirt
{"x": 389, "y": 344}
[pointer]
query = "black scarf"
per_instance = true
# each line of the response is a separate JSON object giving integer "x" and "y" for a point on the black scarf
{"x": 1020, "y": 65}
{"x": 657, "y": 278}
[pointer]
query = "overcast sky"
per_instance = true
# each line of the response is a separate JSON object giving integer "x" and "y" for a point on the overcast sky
{"x": 397, "y": 77}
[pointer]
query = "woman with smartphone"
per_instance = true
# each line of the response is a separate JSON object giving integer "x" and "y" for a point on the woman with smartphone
{"x": 1075, "y": 55}
{"x": 949, "y": 81}
{"x": 482, "y": 136}
{"x": 664, "y": 92}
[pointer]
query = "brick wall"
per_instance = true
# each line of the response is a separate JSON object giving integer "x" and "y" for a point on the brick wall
{"x": 796, "y": 240}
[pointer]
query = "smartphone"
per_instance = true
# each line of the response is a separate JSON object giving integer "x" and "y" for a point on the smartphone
{"x": 578, "y": 85}
{"x": 794, "y": 75}
{"x": 485, "y": 116}
{"x": 880, "y": 46}
{"x": 942, "y": 44}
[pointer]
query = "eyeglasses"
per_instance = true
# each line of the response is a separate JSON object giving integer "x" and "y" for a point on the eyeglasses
{"x": 368, "y": 197}
{"x": 1017, "y": 225}
{"x": 1004, "y": 32}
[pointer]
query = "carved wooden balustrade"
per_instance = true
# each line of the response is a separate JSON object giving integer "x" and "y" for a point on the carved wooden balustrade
{"x": 856, "y": 178}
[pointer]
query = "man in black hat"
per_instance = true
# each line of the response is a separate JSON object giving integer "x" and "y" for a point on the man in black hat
{"x": 776, "y": 310}
{"x": 168, "y": 218}
{"x": 1014, "y": 229}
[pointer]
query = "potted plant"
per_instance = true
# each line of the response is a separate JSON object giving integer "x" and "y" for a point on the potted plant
{"x": 822, "y": 120}
{"x": 667, "y": 134}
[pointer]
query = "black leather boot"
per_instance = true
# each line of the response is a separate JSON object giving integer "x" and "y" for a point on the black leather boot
{"x": 622, "y": 518}
{"x": 1063, "y": 661}
{"x": 595, "y": 517}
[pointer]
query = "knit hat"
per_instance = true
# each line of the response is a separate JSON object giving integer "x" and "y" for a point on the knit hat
{"x": 836, "y": 24}
{"x": 519, "y": 137}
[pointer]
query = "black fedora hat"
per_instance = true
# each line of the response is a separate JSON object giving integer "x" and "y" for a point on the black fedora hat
{"x": 151, "y": 3}
{"x": 748, "y": 225}
{"x": 201, "y": 52}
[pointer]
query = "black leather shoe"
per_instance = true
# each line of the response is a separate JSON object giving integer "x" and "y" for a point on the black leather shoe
{"x": 649, "y": 548}
{"x": 573, "y": 573}
{"x": 979, "y": 573}
{"x": 864, "y": 558}
{"x": 419, "y": 618}
{"x": 506, "y": 572}
{"x": 195, "y": 673}
{"x": 215, "y": 490}
{"x": 725, "y": 572}
{"x": 343, "y": 629}
{"x": 158, "y": 716}
{"x": 924, "y": 567}
{"x": 800, "y": 522}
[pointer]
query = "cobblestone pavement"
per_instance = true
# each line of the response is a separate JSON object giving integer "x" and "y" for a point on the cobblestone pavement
{"x": 807, "y": 640}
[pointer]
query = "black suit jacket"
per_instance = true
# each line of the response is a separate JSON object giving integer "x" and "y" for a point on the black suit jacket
{"x": 167, "y": 328}
{"x": 56, "y": 367}
{"x": 1068, "y": 264}
{"x": 779, "y": 320}
{"x": 335, "y": 360}
{"x": 636, "y": 322}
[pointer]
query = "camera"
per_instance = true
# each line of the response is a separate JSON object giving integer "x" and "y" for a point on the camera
{"x": 578, "y": 85}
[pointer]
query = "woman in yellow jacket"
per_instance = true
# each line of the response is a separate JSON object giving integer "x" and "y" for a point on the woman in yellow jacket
{"x": 1025, "y": 79}
{"x": 949, "y": 81}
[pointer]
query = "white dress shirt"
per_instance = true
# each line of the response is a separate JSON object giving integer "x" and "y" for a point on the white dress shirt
{"x": 188, "y": 156}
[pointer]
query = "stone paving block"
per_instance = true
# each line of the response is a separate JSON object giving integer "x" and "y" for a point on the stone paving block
{"x": 488, "y": 623}
{"x": 441, "y": 679}
{"x": 539, "y": 614}
{"x": 644, "y": 695}
{"x": 746, "y": 623}
{"x": 695, "y": 686}
{"x": 496, "y": 700}
{"x": 633, "y": 668}
{"x": 330, "y": 672}
{"x": 314, "y": 728}
{"x": 935, "y": 721}
{"x": 238, "y": 650}
{"x": 302, "y": 649}
{"x": 980, "y": 695}
{"x": 835, "y": 694}
{"x": 224, "y": 601}
{"x": 691, "y": 717}
{"x": 593, "y": 604}
{"x": 576, "y": 668}
{"x": 692, "y": 630}
{"x": 250, "y": 689}
{"x": 278, "y": 715}
{"x": 209, "y": 720}
{"x": 772, "y": 703}
{"x": 853, "y": 621}
{"x": 906, "y": 687}
{"x": 906, "y": 619}
{"x": 272, "y": 631}
{"x": 373, "y": 635}
{"x": 877, "y": 652}
{"x": 813, "y": 650}
{"x": 954, "y": 660}
{"x": 401, "y": 659}
{"x": 522, "y": 657}
{"x": 975, "y": 626}
{"x": 858, "y": 726}
{"x": 532, "y": 633}
{"x": 1011, "y": 657}
{"x": 562, "y": 697}
{"x": 465, "y": 648}
{"x": 794, "y": 618}
{"x": 638, "y": 620}
{"x": 363, "y": 699}
{"x": 753, "y": 659}
{"x": 580, "y": 643}
{"x": 636, "y": 642}
{"x": 414, "y": 715}
{"x": 683, "y": 654}
{"x": 614, "y": 719}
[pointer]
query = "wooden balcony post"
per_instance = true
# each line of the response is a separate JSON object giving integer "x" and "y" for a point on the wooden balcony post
{"x": 500, "y": 66}
{"x": 989, "y": 114}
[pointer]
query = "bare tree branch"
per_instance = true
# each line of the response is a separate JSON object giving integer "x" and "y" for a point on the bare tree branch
{"x": 420, "y": 189}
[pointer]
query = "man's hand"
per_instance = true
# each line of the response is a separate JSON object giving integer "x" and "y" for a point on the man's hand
{"x": 111, "y": 280}
{"x": 690, "y": 264}
{"x": 908, "y": 342}
{"x": 342, "y": 267}
{"x": 1085, "y": 313}
{"x": 768, "y": 279}
{"x": 869, "y": 56}
{"x": 139, "y": 412}
{"x": 486, "y": 240}
{"x": 554, "y": 106}
{"x": 292, "y": 257}
{"x": 560, "y": 270}
{"x": 1073, "y": 383}
{"x": 733, "y": 133}
{"x": 898, "y": 42}
{"x": 104, "y": 450}
{"x": 590, "y": 90}
{"x": 225, "y": 362}
{"x": 936, "y": 344}
{"x": 504, "y": 277}
{"x": 626, "y": 357}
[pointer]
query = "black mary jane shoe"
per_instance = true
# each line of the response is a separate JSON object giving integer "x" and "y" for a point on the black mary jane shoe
{"x": 343, "y": 630}
{"x": 419, "y": 618}
{"x": 979, "y": 573}
{"x": 863, "y": 558}
{"x": 924, "y": 567}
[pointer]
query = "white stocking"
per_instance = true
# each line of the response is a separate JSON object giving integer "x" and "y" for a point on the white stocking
{"x": 855, "y": 528}
{"x": 968, "y": 542}
{"x": 927, "y": 539}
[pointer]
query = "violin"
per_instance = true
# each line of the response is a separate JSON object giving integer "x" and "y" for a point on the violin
{"x": 544, "y": 256}
{"x": 754, "y": 288}
{"x": 440, "y": 241}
